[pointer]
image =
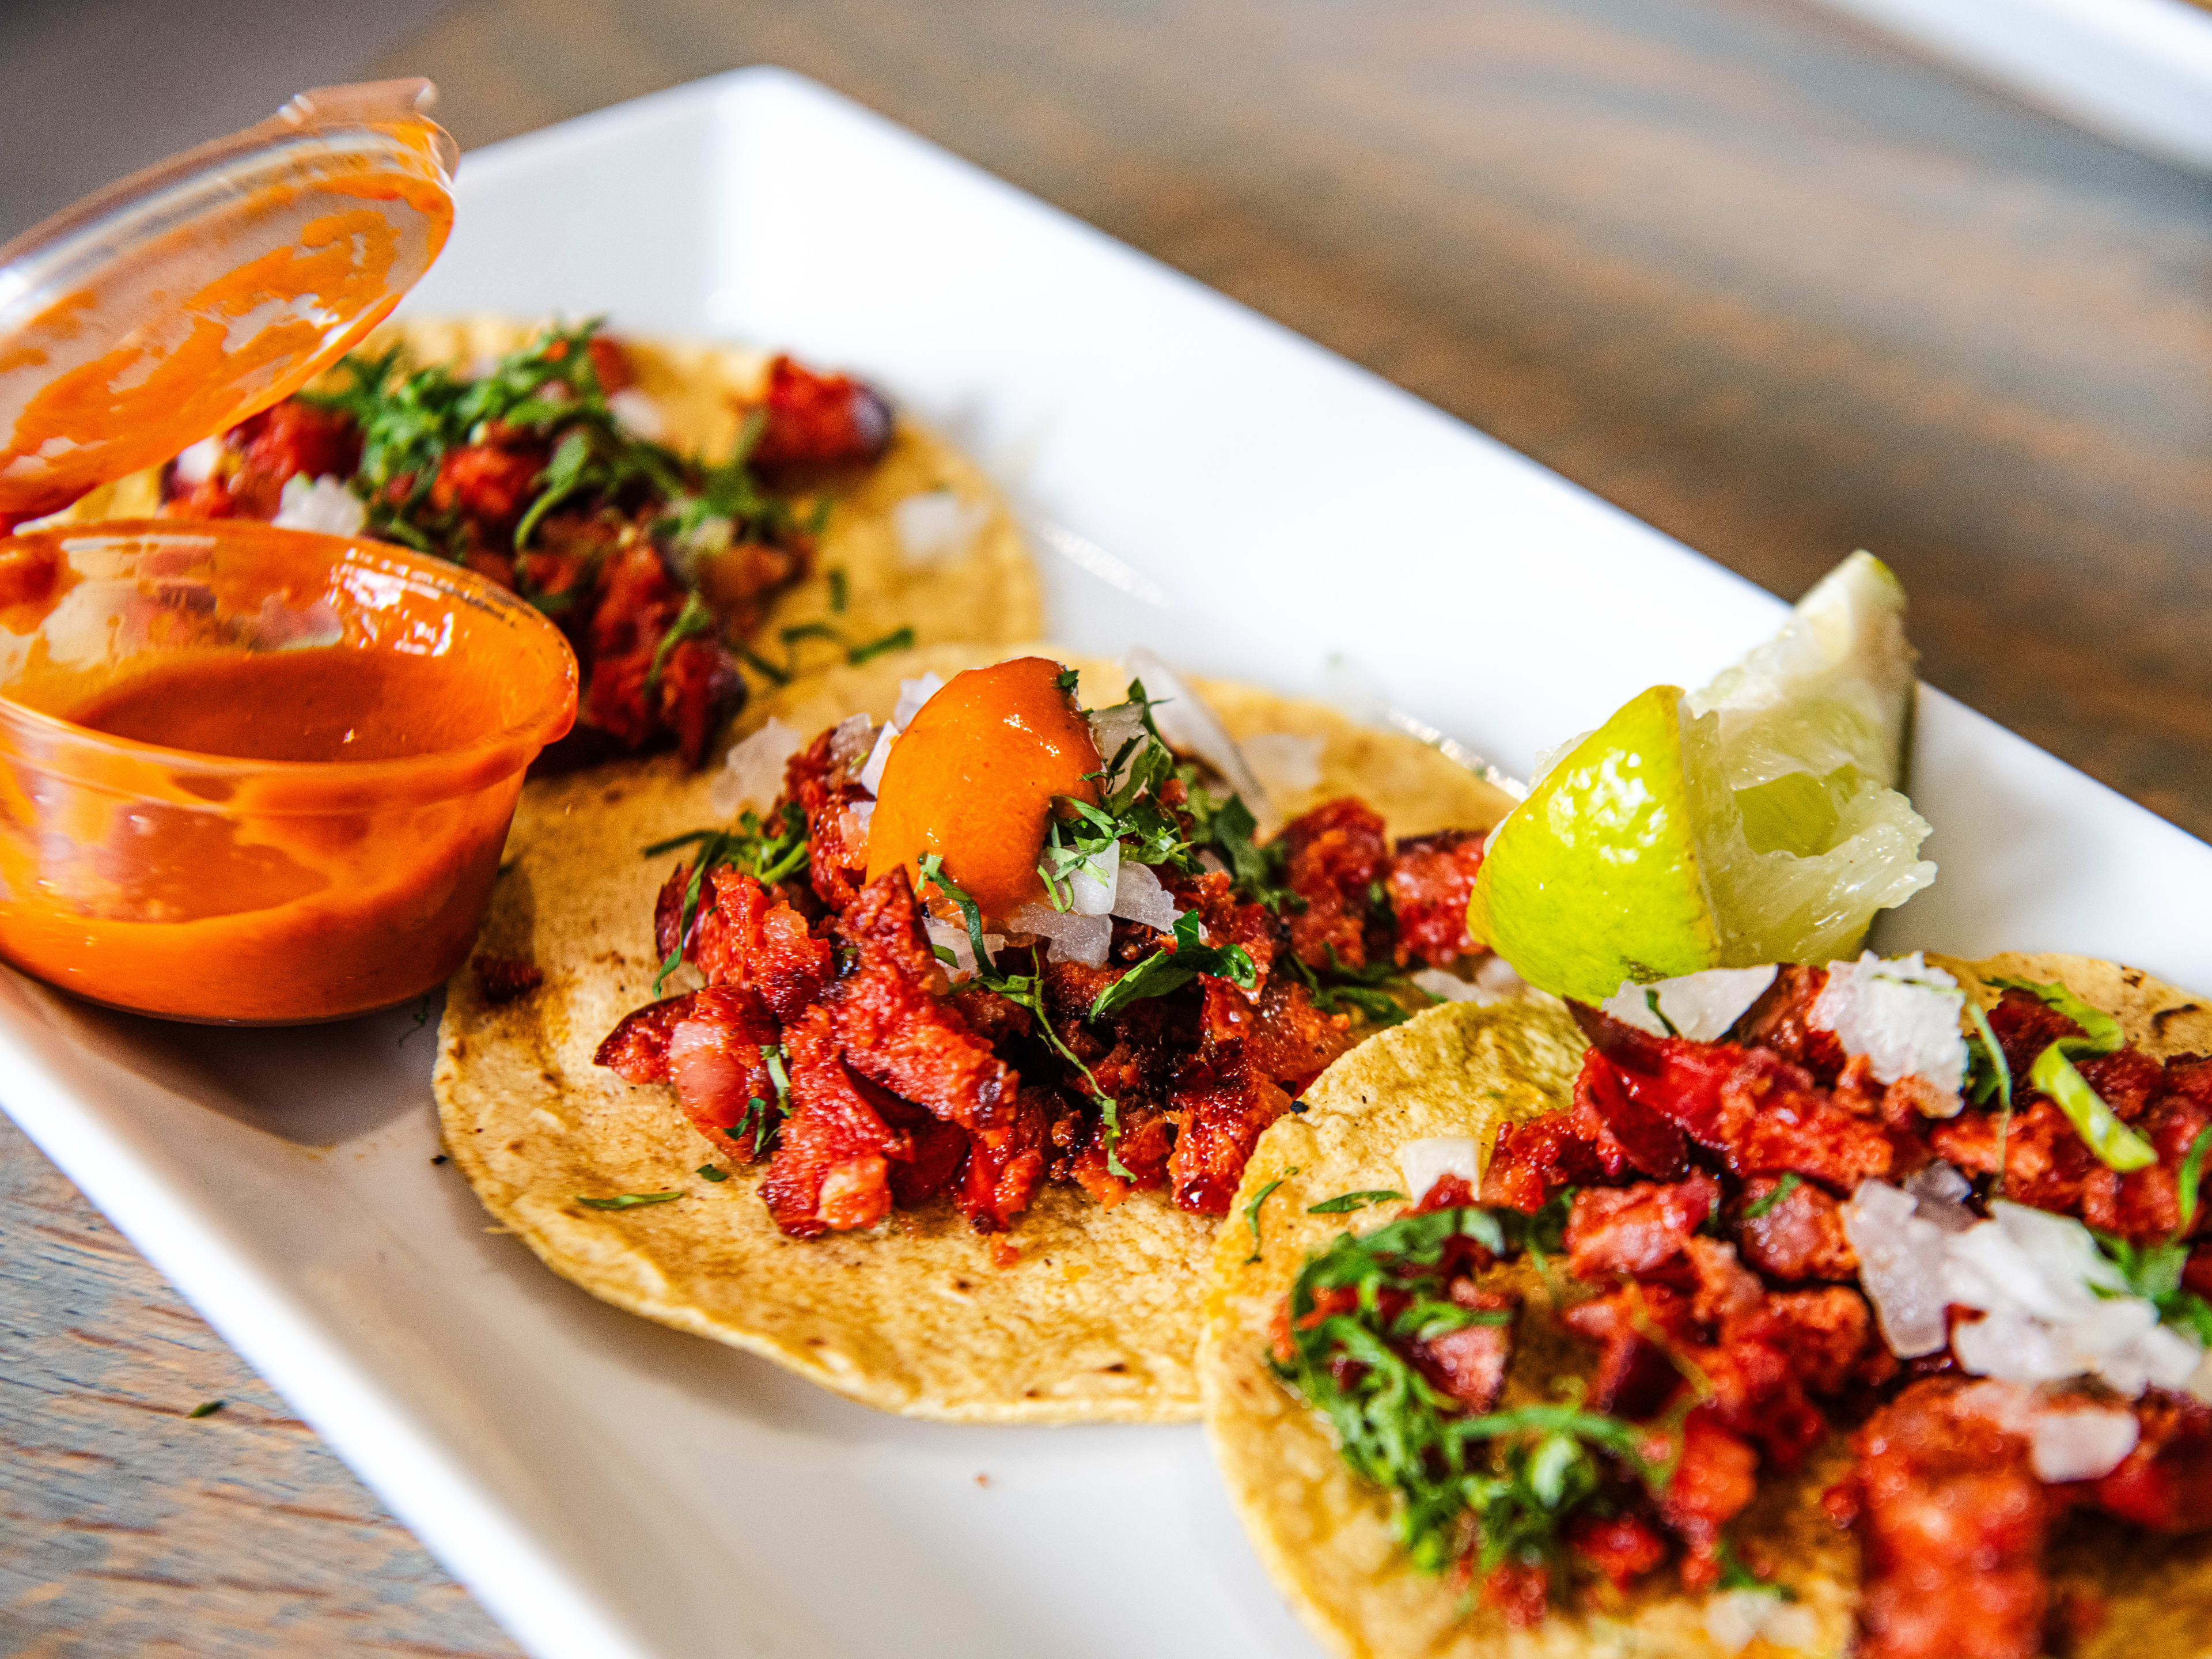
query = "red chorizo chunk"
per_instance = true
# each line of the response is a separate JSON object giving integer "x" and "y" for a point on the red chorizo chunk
{"x": 1621, "y": 1547}
{"x": 1469, "y": 1364}
{"x": 819, "y": 420}
{"x": 490, "y": 482}
{"x": 1826, "y": 1335}
{"x": 1644, "y": 1139}
{"x": 1799, "y": 1235}
{"x": 1712, "y": 1484}
{"x": 1430, "y": 881}
{"x": 1534, "y": 1159}
{"x": 637, "y": 1050}
{"x": 2165, "y": 1482}
{"x": 837, "y": 849}
{"x": 1762, "y": 1114}
{"x": 1335, "y": 854}
{"x": 1636, "y": 1229}
{"x": 1224, "y": 1110}
{"x": 748, "y": 936}
{"x": 1953, "y": 1523}
{"x": 260, "y": 455}
{"x": 1285, "y": 1039}
{"x": 721, "y": 1077}
{"x": 899, "y": 1032}
{"x": 832, "y": 1165}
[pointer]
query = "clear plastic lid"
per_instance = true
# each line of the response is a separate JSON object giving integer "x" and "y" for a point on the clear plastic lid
{"x": 176, "y": 303}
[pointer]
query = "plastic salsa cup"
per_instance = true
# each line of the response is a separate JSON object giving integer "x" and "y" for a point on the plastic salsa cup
{"x": 257, "y": 890}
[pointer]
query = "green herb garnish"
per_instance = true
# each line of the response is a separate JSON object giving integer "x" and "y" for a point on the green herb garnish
{"x": 708, "y": 1171}
{"x": 1519, "y": 1474}
{"x": 1781, "y": 1189}
{"x": 628, "y": 1200}
{"x": 840, "y": 587}
{"x": 1252, "y": 1210}
{"x": 207, "y": 1408}
{"x": 2115, "y": 1145}
{"x": 1345, "y": 1203}
{"x": 1166, "y": 970}
{"x": 899, "y": 639}
{"x": 1736, "y": 1575}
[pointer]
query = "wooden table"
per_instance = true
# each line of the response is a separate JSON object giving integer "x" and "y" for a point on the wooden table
{"x": 1773, "y": 286}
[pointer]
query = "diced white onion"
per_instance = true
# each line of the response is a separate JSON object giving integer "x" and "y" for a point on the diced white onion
{"x": 1139, "y": 896}
{"x": 862, "y": 812}
{"x": 1068, "y": 937}
{"x": 195, "y": 463}
{"x": 752, "y": 771}
{"x": 322, "y": 505}
{"x": 870, "y": 777}
{"x": 2199, "y": 1385}
{"x": 637, "y": 414}
{"x": 945, "y": 936}
{"x": 1499, "y": 978}
{"x": 1448, "y": 987}
{"x": 1092, "y": 894}
{"x": 2053, "y": 1305}
{"x": 1287, "y": 764}
{"x": 1939, "y": 1190}
{"x": 1700, "y": 1007}
{"x": 1192, "y": 728}
{"x": 912, "y": 694}
{"x": 1901, "y": 1014}
{"x": 1734, "y": 1618}
{"x": 936, "y": 525}
{"x": 2080, "y": 1445}
{"x": 1900, "y": 1267}
{"x": 851, "y": 738}
{"x": 1111, "y": 729}
{"x": 1427, "y": 1161}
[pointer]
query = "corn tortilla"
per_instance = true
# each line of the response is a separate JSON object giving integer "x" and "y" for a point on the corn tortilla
{"x": 1325, "y": 1536}
{"x": 987, "y": 590}
{"x": 1097, "y": 1320}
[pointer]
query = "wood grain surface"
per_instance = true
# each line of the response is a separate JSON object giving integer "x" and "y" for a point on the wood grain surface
{"x": 1770, "y": 284}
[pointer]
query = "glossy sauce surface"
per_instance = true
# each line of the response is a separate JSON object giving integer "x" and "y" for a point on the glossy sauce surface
{"x": 325, "y": 704}
{"x": 973, "y": 778}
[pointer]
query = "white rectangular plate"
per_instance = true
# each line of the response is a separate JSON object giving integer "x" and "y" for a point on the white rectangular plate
{"x": 611, "y": 1489}
{"x": 2137, "y": 71}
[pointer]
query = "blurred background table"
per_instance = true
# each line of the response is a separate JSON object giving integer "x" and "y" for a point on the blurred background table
{"x": 1767, "y": 282}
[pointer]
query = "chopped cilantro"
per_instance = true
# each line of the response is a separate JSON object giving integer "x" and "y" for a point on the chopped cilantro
{"x": 840, "y": 587}
{"x": 1345, "y": 1203}
{"x": 1064, "y": 681}
{"x": 207, "y": 1408}
{"x": 1781, "y": 1189}
{"x": 1252, "y": 1210}
{"x": 1519, "y": 1475}
{"x": 710, "y": 1172}
{"x": 1166, "y": 970}
{"x": 899, "y": 639}
{"x": 2192, "y": 1177}
{"x": 1736, "y": 1575}
{"x": 628, "y": 1200}
{"x": 695, "y": 618}
{"x": 1376, "y": 992}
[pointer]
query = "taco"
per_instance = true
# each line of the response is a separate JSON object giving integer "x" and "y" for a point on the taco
{"x": 697, "y": 519}
{"x": 1718, "y": 1333}
{"x": 922, "y": 1150}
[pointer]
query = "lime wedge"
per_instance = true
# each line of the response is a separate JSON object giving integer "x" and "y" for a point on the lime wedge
{"x": 1756, "y": 820}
